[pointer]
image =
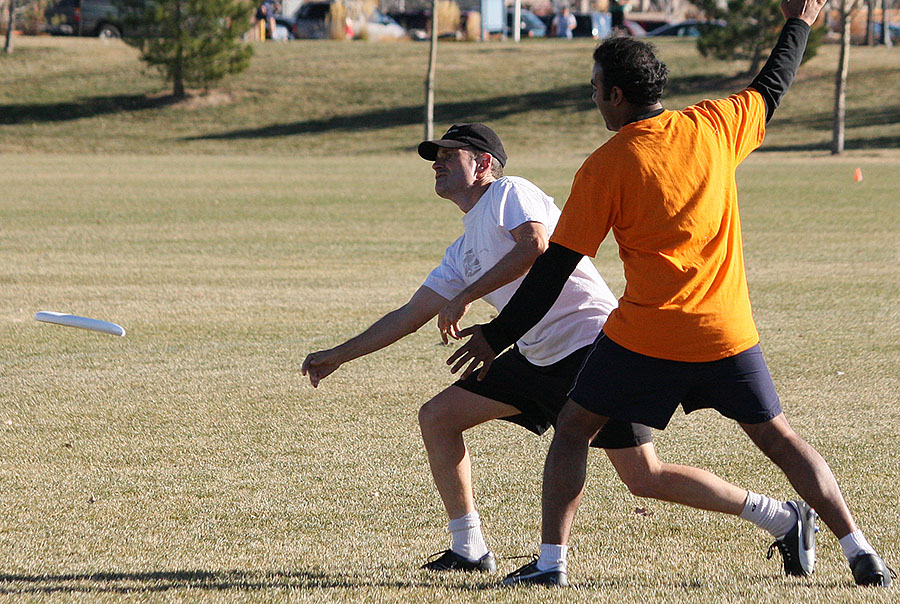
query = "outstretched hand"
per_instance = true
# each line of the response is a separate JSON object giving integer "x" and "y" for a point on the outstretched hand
{"x": 475, "y": 352}
{"x": 449, "y": 318}
{"x": 806, "y": 10}
{"x": 319, "y": 365}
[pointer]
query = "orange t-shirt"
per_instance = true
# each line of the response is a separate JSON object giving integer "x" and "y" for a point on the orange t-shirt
{"x": 666, "y": 187}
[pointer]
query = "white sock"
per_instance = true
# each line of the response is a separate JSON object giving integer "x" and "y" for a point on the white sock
{"x": 769, "y": 514}
{"x": 468, "y": 541}
{"x": 855, "y": 544}
{"x": 553, "y": 557}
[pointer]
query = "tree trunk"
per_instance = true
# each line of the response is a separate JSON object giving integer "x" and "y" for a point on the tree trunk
{"x": 9, "y": 28}
{"x": 840, "y": 92}
{"x": 870, "y": 22}
{"x": 885, "y": 21}
{"x": 178, "y": 67}
{"x": 429, "y": 80}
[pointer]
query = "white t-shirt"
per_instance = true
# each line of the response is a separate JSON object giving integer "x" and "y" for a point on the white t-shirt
{"x": 581, "y": 309}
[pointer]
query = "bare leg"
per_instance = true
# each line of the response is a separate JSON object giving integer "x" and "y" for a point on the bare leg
{"x": 564, "y": 471}
{"x": 807, "y": 471}
{"x": 646, "y": 476}
{"x": 442, "y": 421}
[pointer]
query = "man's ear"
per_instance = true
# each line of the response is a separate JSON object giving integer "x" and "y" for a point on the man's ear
{"x": 616, "y": 96}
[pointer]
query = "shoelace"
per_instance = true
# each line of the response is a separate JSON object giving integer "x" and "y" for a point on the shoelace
{"x": 785, "y": 552}
{"x": 436, "y": 555}
{"x": 524, "y": 569}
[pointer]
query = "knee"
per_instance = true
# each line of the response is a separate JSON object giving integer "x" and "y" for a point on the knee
{"x": 430, "y": 415}
{"x": 642, "y": 484}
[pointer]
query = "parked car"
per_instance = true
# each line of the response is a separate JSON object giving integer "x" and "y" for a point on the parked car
{"x": 690, "y": 28}
{"x": 311, "y": 21}
{"x": 634, "y": 29}
{"x": 592, "y": 25}
{"x": 417, "y": 24}
{"x": 893, "y": 29}
{"x": 531, "y": 25}
{"x": 85, "y": 18}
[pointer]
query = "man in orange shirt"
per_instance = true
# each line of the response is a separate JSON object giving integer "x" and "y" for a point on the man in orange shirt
{"x": 683, "y": 332}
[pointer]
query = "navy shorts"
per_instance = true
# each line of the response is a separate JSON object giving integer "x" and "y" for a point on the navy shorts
{"x": 539, "y": 393}
{"x": 621, "y": 384}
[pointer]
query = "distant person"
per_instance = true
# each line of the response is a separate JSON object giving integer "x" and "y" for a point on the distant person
{"x": 683, "y": 332}
{"x": 617, "y": 15}
{"x": 564, "y": 23}
{"x": 507, "y": 224}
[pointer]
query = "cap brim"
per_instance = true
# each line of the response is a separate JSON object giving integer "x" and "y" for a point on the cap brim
{"x": 428, "y": 149}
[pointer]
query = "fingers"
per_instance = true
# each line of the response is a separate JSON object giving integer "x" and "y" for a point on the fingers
{"x": 485, "y": 366}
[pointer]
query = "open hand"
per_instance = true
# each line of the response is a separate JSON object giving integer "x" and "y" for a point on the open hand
{"x": 475, "y": 352}
{"x": 806, "y": 10}
{"x": 449, "y": 317}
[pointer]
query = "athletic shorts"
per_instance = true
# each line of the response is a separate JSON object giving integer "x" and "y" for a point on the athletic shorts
{"x": 539, "y": 393}
{"x": 628, "y": 386}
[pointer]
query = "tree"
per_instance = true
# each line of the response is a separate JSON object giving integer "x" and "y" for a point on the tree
{"x": 197, "y": 42}
{"x": 847, "y": 8}
{"x": 9, "y": 25}
{"x": 429, "y": 78}
{"x": 751, "y": 28}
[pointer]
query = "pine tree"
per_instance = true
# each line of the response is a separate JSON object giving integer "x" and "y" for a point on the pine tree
{"x": 197, "y": 42}
{"x": 751, "y": 29}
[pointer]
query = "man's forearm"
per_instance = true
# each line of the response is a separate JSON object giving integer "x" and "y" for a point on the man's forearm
{"x": 509, "y": 268}
{"x": 534, "y": 298}
{"x": 778, "y": 73}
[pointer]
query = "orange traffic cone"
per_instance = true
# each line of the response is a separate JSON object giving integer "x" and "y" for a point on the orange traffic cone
{"x": 857, "y": 176}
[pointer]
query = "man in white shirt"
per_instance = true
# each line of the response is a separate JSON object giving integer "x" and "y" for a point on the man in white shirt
{"x": 508, "y": 222}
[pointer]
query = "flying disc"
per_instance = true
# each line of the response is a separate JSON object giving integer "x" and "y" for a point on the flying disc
{"x": 59, "y": 318}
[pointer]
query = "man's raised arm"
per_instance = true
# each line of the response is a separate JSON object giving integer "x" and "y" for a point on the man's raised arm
{"x": 778, "y": 73}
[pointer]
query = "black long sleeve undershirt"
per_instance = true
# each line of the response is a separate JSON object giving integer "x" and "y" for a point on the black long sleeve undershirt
{"x": 778, "y": 73}
{"x": 534, "y": 298}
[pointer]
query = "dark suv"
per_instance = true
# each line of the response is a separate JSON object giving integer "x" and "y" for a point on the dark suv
{"x": 85, "y": 18}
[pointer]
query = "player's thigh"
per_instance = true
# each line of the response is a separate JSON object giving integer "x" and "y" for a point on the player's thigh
{"x": 458, "y": 409}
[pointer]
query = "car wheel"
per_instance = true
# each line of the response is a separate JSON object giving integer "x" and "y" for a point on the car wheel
{"x": 108, "y": 31}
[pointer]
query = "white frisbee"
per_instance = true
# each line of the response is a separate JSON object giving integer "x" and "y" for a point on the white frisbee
{"x": 48, "y": 316}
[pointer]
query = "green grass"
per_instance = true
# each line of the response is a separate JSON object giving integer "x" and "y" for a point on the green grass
{"x": 312, "y": 97}
{"x": 190, "y": 462}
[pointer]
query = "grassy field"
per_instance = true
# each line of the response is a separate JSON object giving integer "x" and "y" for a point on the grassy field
{"x": 189, "y": 461}
{"x": 308, "y": 98}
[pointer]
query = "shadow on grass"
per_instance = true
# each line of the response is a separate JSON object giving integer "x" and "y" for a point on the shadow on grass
{"x": 214, "y": 581}
{"x": 82, "y": 108}
{"x": 572, "y": 98}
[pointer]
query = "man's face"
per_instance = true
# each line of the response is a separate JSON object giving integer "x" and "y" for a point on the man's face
{"x": 597, "y": 94}
{"x": 454, "y": 172}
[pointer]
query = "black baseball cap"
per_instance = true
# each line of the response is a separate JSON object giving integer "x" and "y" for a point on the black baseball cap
{"x": 477, "y": 136}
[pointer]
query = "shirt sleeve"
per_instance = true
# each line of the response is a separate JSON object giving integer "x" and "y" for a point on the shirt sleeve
{"x": 445, "y": 280}
{"x": 740, "y": 118}
{"x": 588, "y": 214}
{"x": 520, "y": 205}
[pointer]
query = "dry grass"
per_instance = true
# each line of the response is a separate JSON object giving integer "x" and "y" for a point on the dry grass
{"x": 190, "y": 462}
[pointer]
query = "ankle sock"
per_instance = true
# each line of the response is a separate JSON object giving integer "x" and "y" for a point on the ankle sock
{"x": 553, "y": 557}
{"x": 855, "y": 544}
{"x": 776, "y": 517}
{"x": 468, "y": 541}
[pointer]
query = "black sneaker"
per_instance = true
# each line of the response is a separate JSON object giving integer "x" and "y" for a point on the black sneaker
{"x": 869, "y": 569}
{"x": 530, "y": 575}
{"x": 449, "y": 560}
{"x": 798, "y": 546}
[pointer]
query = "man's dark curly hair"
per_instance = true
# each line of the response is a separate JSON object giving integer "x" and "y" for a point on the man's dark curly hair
{"x": 633, "y": 66}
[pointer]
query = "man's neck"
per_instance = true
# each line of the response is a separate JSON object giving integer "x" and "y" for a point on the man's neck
{"x": 468, "y": 200}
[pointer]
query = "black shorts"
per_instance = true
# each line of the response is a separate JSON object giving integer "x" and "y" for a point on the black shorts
{"x": 628, "y": 386}
{"x": 540, "y": 393}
